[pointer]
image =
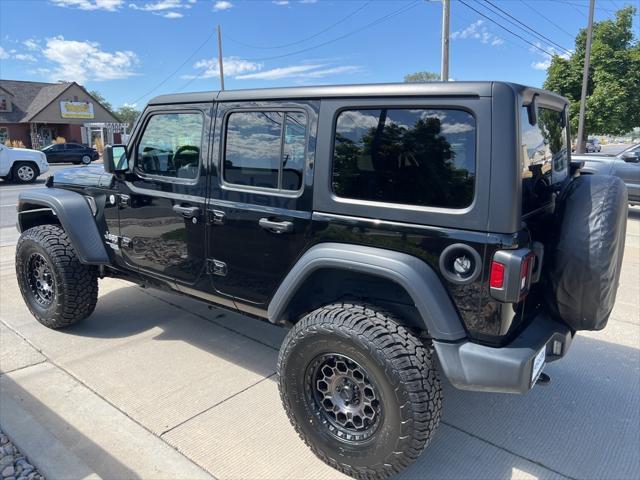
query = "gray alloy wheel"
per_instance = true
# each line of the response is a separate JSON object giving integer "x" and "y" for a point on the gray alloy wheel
{"x": 86, "y": 159}
{"x": 24, "y": 172}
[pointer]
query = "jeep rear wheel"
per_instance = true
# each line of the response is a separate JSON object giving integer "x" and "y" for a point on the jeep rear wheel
{"x": 360, "y": 389}
{"x": 58, "y": 289}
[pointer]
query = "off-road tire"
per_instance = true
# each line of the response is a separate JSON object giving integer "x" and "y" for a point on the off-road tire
{"x": 16, "y": 177}
{"x": 75, "y": 286}
{"x": 395, "y": 359}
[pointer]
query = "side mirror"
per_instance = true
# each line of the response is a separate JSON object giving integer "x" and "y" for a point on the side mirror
{"x": 115, "y": 158}
{"x": 630, "y": 157}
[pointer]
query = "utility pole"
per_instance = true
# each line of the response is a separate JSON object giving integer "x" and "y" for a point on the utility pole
{"x": 444, "y": 69}
{"x": 220, "y": 58}
{"x": 585, "y": 80}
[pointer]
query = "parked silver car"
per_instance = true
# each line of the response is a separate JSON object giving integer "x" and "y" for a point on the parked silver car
{"x": 625, "y": 165}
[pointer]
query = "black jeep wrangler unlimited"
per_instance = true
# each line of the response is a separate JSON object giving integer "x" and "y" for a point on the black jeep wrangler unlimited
{"x": 393, "y": 228}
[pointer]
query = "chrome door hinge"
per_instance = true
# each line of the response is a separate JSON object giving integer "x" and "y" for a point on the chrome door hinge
{"x": 216, "y": 267}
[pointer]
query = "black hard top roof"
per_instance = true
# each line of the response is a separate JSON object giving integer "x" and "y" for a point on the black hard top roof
{"x": 448, "y": 89}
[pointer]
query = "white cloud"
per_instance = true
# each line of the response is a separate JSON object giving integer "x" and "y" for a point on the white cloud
{"x": 109, "y": 5}
{"x": 299, "y": 71}
{"x": 25, "y": 57}
{"x": 223, "y": 5}
{"x": 233, "y": 66}
{"x": 546, "y": 58}
{"x": 3, "y": 54}
{"x": 81, "y": 61}
{"x": 31, "y": 44}
{"x": 308, "y": 1}
{"x": 542, "y": 65}
{"x": 164, "y": 8}
{"x": 281, "y": 2}
{"x": 478, "y": 31}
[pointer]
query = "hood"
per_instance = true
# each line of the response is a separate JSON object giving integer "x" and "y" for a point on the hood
{"x": 26, "y": 153}
{"x": 89, "y": 176}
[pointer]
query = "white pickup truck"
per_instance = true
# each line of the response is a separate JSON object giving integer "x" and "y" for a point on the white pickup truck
{"x": 21, "y": 165}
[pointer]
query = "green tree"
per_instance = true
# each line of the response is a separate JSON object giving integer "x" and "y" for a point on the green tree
{"x": 613, "y": 91}
{"x": 127, "y": 114}
{"x": 103, "y": 101}
{"x": 421, "y": 77}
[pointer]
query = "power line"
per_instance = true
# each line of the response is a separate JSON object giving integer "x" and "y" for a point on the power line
{"x": 384, "y": 18}
{"x": 548, "y": 19}
{"x": 297, "y": 42}
{"x": 539, "y": 35}
{"x": 506, "y": 29}
{"x": 166, "y": 79}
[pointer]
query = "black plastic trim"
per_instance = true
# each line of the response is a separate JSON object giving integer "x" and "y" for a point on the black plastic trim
{"x": 76, "y": 219}
{"x": 470, "y": 366}
{"x": 419, "y": 280}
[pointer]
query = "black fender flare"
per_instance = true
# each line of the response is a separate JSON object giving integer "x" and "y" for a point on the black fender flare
{"x": 75, "y": 216}
{"x": 420, "y": 281}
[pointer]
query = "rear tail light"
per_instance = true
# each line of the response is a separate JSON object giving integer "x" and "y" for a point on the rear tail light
{"x": 496, "y": 279}
{"x": 510, "y": 276}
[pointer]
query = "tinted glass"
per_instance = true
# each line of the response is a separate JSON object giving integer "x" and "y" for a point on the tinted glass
{"x": 545, "y": 156}
{"x": 293, "y": 151}
{"x": 421, "y": 157}
{"x": 170, "y": 145}
{"x": 259, "y": 153}
{"x": 73, "y": 146}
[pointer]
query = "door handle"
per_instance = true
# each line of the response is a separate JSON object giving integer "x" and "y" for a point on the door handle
{"x": 276, "y": 226}
{"x": 187, "y": 212}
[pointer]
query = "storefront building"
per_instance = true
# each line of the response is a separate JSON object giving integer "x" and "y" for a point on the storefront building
{"x": 36, "y": 113}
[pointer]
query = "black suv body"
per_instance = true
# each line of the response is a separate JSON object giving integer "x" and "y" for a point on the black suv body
{"x": 381, "y": 222}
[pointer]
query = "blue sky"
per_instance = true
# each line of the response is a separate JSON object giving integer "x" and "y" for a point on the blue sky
{"x": 131, "y": 50}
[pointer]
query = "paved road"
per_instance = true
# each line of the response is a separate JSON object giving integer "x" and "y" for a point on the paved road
{"x": 9, "y": 199}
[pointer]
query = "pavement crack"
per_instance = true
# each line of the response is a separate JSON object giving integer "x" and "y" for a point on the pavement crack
{"x": 23, "y": 367}
{"x": 219, "y": 403}
{"x": 500, "y": 447}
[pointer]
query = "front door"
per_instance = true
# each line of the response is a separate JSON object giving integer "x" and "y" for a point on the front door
{"x": 163, "y": 202}
{"x": 261, "y": 193}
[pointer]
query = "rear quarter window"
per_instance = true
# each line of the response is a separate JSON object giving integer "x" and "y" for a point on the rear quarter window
{"x": 410, "y": 156}
{"x": 545, "y": 157}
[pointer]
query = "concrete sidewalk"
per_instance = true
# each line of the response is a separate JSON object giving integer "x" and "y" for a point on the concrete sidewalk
{"x": 154, "y": 385}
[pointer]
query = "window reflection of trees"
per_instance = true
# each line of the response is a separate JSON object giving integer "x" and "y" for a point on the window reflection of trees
{"x": 377, "y": 158}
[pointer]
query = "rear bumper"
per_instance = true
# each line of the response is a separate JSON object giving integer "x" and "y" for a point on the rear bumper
{"x": 509, "y": 369}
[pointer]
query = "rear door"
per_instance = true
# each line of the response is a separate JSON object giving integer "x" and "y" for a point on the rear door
{"x": 163, "y": 202}
{"x": 261, "y": 191}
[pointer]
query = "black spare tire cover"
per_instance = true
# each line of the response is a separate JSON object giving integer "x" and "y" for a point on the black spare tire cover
{"x": 582, "y": 271}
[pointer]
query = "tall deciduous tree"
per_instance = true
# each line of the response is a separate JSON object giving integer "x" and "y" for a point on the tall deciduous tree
{"x": 613, "y": 92}
{"x": 421, "y": 77}
{"x": 127, "y": 114}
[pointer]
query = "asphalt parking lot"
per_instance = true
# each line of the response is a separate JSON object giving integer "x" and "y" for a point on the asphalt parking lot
{"x": 154, "y": 385}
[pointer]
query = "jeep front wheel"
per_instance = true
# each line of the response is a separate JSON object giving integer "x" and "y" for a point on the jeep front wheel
{"x": 360, "y": 389}
{"x": 57, "y": 288}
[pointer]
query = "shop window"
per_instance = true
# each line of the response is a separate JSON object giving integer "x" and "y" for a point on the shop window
{"x": 4, "y": 134}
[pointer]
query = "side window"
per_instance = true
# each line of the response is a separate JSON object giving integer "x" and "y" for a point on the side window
{"x": 424, "y": 157}
{"x": 265, "y": 149}
{"x": 545, "y": 156}
{"x": 170, "y": 145}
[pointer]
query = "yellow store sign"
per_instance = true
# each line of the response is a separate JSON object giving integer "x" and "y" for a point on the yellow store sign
{"x": 76, "y": 110}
